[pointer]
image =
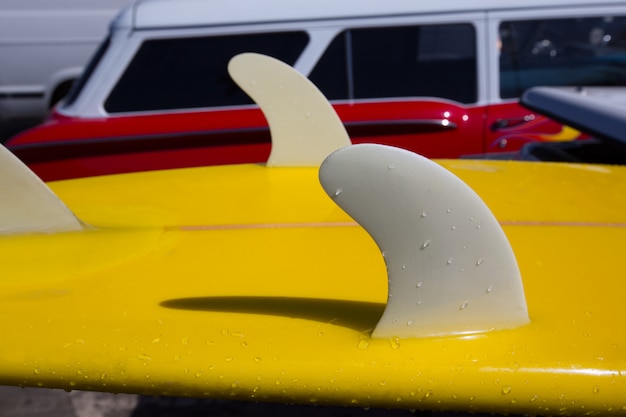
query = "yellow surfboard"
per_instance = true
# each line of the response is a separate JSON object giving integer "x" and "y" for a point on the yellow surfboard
{"x": 251, "y": 282}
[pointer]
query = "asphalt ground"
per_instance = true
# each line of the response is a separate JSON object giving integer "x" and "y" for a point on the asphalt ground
{"x": 43, "y": 402}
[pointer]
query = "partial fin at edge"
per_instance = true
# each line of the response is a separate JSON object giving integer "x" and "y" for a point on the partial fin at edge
{"x": 28, "y": 205}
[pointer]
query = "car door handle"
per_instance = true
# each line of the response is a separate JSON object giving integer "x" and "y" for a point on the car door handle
{"x": 398, "y": 127}
{"x": 502, "y": 124}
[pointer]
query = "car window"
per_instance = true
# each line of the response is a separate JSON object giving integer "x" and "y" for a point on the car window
{"x": 405, "y": 61}
{"x": 562, "y": 52}
{"x": 191, "y": 72}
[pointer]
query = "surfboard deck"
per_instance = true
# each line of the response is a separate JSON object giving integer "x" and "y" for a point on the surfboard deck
{"x": 244, "y": 282}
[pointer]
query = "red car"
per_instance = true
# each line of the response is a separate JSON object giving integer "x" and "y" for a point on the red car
{"x": 440, "y": 79}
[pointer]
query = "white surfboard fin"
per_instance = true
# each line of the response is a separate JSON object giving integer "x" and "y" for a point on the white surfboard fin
{"x": 27, "y": 204}
{"x": 451, "y": 269}
{"x": 304, "y": 127}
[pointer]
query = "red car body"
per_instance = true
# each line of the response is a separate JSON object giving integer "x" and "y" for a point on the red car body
{"x": 67, "y": 147}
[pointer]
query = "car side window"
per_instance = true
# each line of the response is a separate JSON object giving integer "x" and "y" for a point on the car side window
{"x": 403, "y": 61}
{"x": 183, "y": 73}
{"x": 562, "y": 52}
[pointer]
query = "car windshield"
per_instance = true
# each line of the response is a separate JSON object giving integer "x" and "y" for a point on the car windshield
{"x": 91, "y": 66}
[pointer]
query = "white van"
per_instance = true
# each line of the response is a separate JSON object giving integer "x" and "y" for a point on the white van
{"x": 44, "y": 45}
{"x": 441, "y": 78}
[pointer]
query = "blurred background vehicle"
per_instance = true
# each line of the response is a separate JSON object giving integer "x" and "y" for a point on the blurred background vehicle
{"x": 44, "y": 45}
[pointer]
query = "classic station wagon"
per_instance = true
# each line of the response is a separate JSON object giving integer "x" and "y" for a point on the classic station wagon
{"x": 439, "y": 78}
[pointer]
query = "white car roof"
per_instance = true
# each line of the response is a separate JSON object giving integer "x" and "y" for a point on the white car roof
{"x": 150, "y": 14}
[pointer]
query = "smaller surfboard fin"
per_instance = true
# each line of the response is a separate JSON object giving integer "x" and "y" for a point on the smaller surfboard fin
{"x": 304, "y": 126}
{"x": 450, "y": 267}
{"x": 27, "y": 204}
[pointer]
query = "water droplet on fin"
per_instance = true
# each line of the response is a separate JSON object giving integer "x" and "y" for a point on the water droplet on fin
{"x": 395, "y": 342}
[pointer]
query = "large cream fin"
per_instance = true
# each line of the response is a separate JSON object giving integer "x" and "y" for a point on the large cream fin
{"x": 451, "y": 268}
{"x": 28, "y": 205}
{"x": 304, "y": 127}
